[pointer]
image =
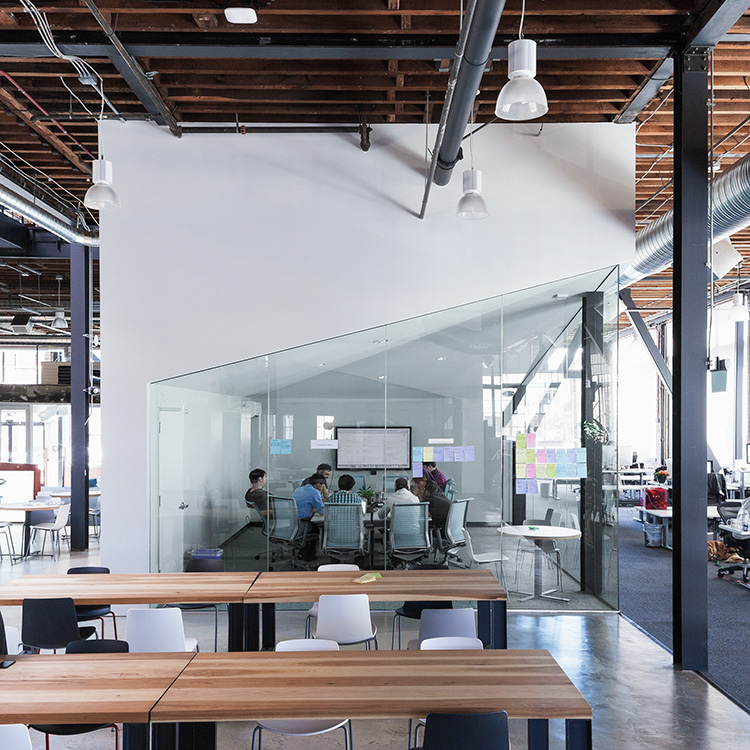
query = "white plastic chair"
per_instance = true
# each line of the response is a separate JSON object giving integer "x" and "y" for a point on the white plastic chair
{"x": 437, "y": 623}
{"x": 151, "y": 631}
{"x": 14, "y": 737}
{"x": 487, "y": 558}
{"x": 345, "y": 618}
{"x": 303, "y": 727}
{"x": 6, "y": 531}
{"x": 451, "y": 642}
{"x": 51, "y": 528}
{"x": 313, "y": 611}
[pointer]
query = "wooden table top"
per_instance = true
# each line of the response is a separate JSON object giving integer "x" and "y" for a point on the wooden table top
{"x": 85, "y": 688}
{"x": 132, "y": 588}
{"x": 370, "y": 685}
{"x": 395, "y": 585}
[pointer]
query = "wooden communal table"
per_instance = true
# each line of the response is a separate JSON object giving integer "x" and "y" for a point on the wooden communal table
{"x": 89, "y": 688}
{"x": 143, "y": 588}
{"x": 395, "y": 585}
{"x": 528, "y": 685}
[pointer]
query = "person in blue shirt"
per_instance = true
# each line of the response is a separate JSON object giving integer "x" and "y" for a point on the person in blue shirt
{"x": 309, "y": 501}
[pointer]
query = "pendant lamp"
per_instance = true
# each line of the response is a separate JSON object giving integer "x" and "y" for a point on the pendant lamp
{"x": 472, "y": 205}
{"x": 101, "y": 194}
{"x": 523, "y": 97}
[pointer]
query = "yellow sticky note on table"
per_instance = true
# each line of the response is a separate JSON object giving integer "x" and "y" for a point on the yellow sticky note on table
{"x": 427, "y": 454}
{"x": 367, "y": 578}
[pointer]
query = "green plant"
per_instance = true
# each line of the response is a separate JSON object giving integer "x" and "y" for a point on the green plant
{"x": 661, "y": 476}
{"x": 366, "y": 492}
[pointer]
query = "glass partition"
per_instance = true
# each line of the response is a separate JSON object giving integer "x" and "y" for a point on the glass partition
{"x": 509, "y": 403}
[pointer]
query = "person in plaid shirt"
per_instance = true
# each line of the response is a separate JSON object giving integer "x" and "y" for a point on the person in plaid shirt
{"x": 344, "y": 493}
{"x": 431, "y": 471}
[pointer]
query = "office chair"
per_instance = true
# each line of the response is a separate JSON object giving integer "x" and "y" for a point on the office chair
{"x": 51, "y": 624}
{"x": 344, "y": 532}
{"x": 727, "y": 511}
{"x": 449, "y": 545}
{"x": 409, "y": 538}
{"x": 86, "y": 612}
{"x": 468, "y": 731}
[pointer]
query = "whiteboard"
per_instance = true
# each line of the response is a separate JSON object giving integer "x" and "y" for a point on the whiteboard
{"x": 373, "y": 448}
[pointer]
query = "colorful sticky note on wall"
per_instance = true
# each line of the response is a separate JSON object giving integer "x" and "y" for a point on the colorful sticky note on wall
{"x": 582, "y": 471}
{"x": 531, "y": 471}
{"x": 520, "y": 471}
{"x": 551, "y": 455}
{"x": 520, "y": 440}
{"x": 562, "y": 470}
{"x": 570, "y": 456}
{"x": 448, "y": 453}
{"x": 541, "y": 456}
{"x": 561, "y": 456}
{"x": 427, "y": 452}
{"x": 530, "y": 439}
{"x": 532, "y": 487}
{"x": 541, "y": 471}
{"x": 286, "y": 447}
{"x": 416, "y": 469}
{"x": 458, "y": 453}
{"x": 468, "y": 453}
{"x": 520, "y": 486}
{"x": 437, "y": 453}
{"x": 275, "y": 447}
{"x": 416, "y": 455}
{"x": 551, "y": 470}
{"x": 580, "y": 455}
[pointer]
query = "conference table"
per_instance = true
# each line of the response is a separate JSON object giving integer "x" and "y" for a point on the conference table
{"x": 192, "y": 692}
{"x": 143, "y": 588}
{"x": 278, "y": 587}
{"x": 540, "y": 534}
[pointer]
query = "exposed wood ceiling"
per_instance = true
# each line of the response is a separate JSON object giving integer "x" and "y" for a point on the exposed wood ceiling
{"x": 371, "y": 61}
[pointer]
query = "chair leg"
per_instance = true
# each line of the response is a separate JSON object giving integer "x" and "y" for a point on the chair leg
{"x": 257, "y": 732}
{"x": 216, "y": 628}
{"x": 114, "y": 624}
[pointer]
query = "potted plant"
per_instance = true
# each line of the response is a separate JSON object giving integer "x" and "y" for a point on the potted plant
{"x": 366, "y": 493}
{"x": 661, "y": 477}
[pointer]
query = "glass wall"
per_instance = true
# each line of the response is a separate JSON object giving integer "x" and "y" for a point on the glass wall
{"x": 514, "y": 399}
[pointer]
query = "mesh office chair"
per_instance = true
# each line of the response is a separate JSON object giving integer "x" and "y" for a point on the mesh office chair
{"x": 344, "y": 531}
{"x": 283, "y": 531}
{"x": 409, "y": 538}
{"x": 727, "y": 511}
{"x": 450, "y": 488}
{"x": 448, "y": 546}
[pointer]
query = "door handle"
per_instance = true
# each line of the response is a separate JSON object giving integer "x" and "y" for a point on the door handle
{"x": 182, "y": 506}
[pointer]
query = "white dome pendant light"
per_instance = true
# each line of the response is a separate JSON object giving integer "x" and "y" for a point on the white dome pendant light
{"x": 472, "y": 205}
{"x": 523, "y": 97}
{"x": 101, "y": 194}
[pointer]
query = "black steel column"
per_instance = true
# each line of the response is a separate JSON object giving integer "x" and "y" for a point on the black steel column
{"x": 691, "y": 242}
{"x": 592, "y": 495}
{"x": 80, "y": 384}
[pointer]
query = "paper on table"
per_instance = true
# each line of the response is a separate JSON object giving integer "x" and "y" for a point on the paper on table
{"x": 367, "y": 578}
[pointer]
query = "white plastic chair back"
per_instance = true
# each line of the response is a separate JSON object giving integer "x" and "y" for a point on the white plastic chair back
{"x": 13, "y": 639}
{"x": 451, "y": 643}
{"x": 152, "y": 631}
{"x": 344, "y": 618}
{"x": 436, "y": 623}
{"x": 61, "y": 519}
{"x": 14, "y": 737}
{"x": 338, "y": 566}
{"x": 307, "y": 644}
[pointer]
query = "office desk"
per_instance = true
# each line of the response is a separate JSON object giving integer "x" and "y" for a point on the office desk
{"x": 143, "y": 588}
{"x": 528, "y": 685}
{"x": 395, "y": 585}
{"x": 663, "y": 517}
{"x": 736, "y": 532}
{"x": 88, "y": 689}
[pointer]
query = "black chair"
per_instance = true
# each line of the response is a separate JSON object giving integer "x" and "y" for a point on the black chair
{"x": 3, "y": 639}
{"x": 727, "y": 511}
{"x": 468, "y": 731}
{"x": 413, "y": 610}
{"x": 716, "y": 488}
{"x": 205, "y": 565}
{"x": 51, "y": 623}
{"x": 86, "y": 612}
{"x": 101, "y": 646}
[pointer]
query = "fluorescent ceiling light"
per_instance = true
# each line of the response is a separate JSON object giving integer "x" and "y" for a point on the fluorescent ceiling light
{"x": 241, "y": 15}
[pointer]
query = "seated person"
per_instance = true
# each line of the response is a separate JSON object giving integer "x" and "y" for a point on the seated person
{"x": 325, "y": 471}
{"x": 257, "y": 494}
{"x": 431, "y": 471}
{"x": 439, "y": 504}
{"x": 418, "y": 489}
{"x": 401, "y": 495}
{"x": 344, "y": 493}
{"x": 309, "y": 501}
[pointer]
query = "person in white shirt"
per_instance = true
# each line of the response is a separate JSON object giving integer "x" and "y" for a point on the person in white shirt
{"x": 401, "y": 495}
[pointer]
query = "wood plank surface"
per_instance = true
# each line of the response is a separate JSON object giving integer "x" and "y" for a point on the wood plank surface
{"x": 132, "y": 588}
{"x": 370, "y": 685}
{"x": 395, "y": 585}
{"x": 85, "y": 688}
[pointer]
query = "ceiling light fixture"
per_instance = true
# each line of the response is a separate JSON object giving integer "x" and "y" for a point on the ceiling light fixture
{"x": 101, "y": 194}
{"x": 523, "y": 97}
{"x": 59, "y": 322}
{"x": 241, "y": 14}
{"x": 472, "y": 205}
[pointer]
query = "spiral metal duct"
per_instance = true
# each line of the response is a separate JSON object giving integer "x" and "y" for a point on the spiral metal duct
{"x": 654, "y": 244}
{"x": 46, "y": 220}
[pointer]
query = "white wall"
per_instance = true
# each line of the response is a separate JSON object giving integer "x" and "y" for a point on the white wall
{"x": 230, "y": 246}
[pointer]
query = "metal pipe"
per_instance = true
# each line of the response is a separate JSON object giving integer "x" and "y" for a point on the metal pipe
{"x": 654, "y": 244}
{"x": 46, "y": 220}
{"x": 439, "y": 138}
{"x": 482, "y": 28}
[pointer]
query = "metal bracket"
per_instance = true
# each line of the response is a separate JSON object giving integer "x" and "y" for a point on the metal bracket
{"x": 695, "y": 59}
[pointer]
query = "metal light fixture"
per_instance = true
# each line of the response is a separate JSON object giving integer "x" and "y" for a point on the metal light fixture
{"x": 101, "y": 194}
{"x": 523, "y": 97}
{"x": 472, "y": 205}
{"x": 59, "y": 321}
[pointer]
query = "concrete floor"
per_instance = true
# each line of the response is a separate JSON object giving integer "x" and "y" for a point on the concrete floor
{"x": 639, "y": 700}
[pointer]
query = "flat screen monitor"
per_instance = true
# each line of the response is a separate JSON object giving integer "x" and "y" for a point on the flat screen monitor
{"x": 373, "y": 448}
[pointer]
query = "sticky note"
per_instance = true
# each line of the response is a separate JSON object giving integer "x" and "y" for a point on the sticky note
{"x": 530, "y": 439}
{"x": 520, "y": 486}
{"x": 562, "y": 470}
{"x": 580, "y": 455}
{"x": 551, "y": 455}
{"x": 532, "y": 487}
{"x": 448, "y": 453}
{"x": 427, "y": 452}
{"x": 572, "y": 470}
{"x": 416, "y": 469}
{"x": 286, "y": 446}
{"x": 551, "y": 470}
{"x": 520, "y": 471}
{"x": 437, "y": 453}
{"x": 541, "y": 456}
{"x": 570, "y": 456}
{"x": 520, "y": 440}
{"x": 416, "y": 454}
{"x": 468, "y": 453}
{"x": 530, "y": 456}
{"x": 582, "y": 474}
{"x": 458, "y": 453}
{"x": 275, "y": 447}
{"x": 561, "y": 456}
{"x": 531, "y": 471}
{"x": 541, "y": 471}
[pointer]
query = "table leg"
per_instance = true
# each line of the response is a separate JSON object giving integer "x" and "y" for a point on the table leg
{"x": 196, "y": 736}
{"x": 492, "y": 623}
{"x": 252, "y": 628}
{"x": 269, "y": 627}
{"x": 135, "y": 736}
{"x": 538, "y": 592}
{"x": 236, "y": 615}
{"x": 578, "y": 734}
{"x": 538, "y": 731}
